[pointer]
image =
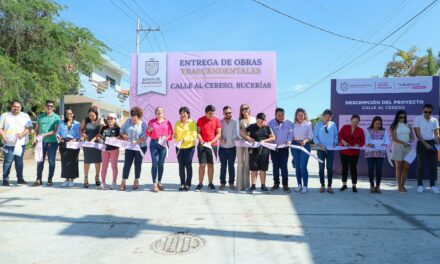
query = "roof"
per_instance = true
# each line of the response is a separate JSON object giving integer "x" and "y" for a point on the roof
{"x": 114, "y": 65}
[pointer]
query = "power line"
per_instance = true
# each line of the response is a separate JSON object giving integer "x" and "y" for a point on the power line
{"x": 322, "y": 29}
{"x": 123, "y": 11}
{"x": 190, "y": 13}
{"x": 367, "y": 51}
{"x": 346, "y": 55}
{"x": 145, "y": 12}
{"x": 132, "y": 11}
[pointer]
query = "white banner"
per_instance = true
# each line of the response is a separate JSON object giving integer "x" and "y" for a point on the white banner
{"x": 152, "y": 73}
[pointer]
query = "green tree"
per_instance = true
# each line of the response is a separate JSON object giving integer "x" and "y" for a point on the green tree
{"x": 407, "y": 63}
{"x": 41, "y": 56}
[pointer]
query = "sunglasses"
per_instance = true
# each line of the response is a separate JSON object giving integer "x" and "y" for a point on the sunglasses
{"x": 110, "y": 118}
{"x": 245, "y": 109}
{"x": 326, "y": 129}
{"x": 427, "y": 112}
{"x": 228, "y": 113}
{"x": 402, "y": 117}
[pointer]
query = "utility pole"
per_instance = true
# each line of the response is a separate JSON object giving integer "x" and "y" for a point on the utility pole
{"x": 140, "y": 29}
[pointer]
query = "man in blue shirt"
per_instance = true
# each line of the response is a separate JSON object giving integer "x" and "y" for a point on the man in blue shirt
{"x": 325, "y": 134}
{"x": 283, "y": 130}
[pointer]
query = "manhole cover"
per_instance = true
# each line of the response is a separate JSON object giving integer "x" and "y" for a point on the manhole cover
{"x": 177, "y": 244}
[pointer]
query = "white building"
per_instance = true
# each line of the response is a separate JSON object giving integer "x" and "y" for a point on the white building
{"x": 102, "y": 89}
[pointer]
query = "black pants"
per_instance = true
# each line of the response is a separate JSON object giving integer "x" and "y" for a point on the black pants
{"x": 375, "y": 167}
{"x": 349, "y": 162}
{"x": 422, "y": 155}
{"x": 185, "y": 157}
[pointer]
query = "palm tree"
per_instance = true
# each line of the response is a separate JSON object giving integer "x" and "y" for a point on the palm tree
{"x": 409, "y": 64}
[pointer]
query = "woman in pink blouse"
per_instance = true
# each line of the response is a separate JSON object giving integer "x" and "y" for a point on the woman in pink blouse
{"x": 160, "y": 131}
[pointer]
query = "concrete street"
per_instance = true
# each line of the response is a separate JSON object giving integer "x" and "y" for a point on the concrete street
{"x": 77, "y": 225}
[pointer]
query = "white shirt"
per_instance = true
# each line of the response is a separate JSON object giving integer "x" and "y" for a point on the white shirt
{"x": 13, "y": 125}
{"x": 302, "y": 130}
{"x": 427, "y": 127}
{"x": 229, "y": 133}
{"x": 403, "y": 132}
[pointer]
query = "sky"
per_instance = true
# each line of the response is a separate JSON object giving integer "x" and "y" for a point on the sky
{"x": 306, "y": 57}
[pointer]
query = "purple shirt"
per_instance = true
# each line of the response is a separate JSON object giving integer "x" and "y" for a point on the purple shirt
{"x": 283, "y": 131}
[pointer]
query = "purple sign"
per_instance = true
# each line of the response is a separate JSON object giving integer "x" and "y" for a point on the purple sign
{"x": 196, "y": 79}
{"x": 382, "y": 97}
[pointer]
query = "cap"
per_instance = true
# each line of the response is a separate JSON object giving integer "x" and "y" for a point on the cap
{"x": 112, "y": 115}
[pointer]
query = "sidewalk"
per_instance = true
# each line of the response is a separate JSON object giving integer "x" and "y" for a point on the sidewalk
{"x": 56, "y": 225}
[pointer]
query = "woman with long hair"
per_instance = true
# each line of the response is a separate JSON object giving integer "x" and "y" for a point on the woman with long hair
{"x": 68, "y": 130}
{"x": 402, "y": 136}
{"x": 90, "y": 128}
{"x": 302, "y": 135}
{"x": 245, "y": 119}
{"x": 160, "y": 131}
{"x": 376, "y": 137}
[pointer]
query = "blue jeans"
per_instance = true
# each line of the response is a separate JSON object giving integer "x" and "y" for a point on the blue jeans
{"x": 185, "y": 157}
{"x": 301, "y": 159}
{"x": 130, "y": 156}
{"x": 227, "y": 160}
{"x": 49, "y": 149}
{"x": 158, "y": 153}
{"x": 375, "y": 166}
{"x": 327, "y": 157}
{"x": 279, "y": 161}
{"x": 7, "y": 163}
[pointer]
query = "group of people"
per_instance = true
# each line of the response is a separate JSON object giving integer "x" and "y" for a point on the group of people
{"x": 211, "y": 136}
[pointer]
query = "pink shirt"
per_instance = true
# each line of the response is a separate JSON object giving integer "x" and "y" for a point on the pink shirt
{"x": 160, "y": 129}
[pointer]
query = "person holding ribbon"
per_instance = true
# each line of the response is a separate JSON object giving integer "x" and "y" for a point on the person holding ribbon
{"x": 160, "y": 131}
{"x": 15, "y": 127}
{"x": 259, "y": 132}
{"x": 68, "y": 130}
{"x": 47, "y": 125}
{"x": 90, "y": 128}
{"x": 208, "y": 134}
{"x": 427, "y": 131}
{"x": 350, "y": 136}
{"x": 403, "y": 136}
{"x": 134, "y": 130}
{"x": 302, "y": 135}
{"x": 325, "y": 135}
{"x": 227, "y": 151}
{"x": 111, "y": 153}
{"x": 245, "y": 119}
{"x": 283, "y": 130}
{"x": 376, "y": 137}
{"x": 185, "y": 134}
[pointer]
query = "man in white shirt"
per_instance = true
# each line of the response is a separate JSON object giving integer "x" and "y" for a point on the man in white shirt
{"x": 426, "y": 128}
{"x": 14, "y": 130}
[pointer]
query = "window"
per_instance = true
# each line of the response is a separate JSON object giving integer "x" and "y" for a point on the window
{"x": 111, "y": 81}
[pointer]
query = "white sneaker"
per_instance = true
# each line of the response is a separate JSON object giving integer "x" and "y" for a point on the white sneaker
{"x": 102, "y": 186}
{"x": 435, "y": 190}
{"x": 304, "y": 190}
{"x": 71, "y": 184}
{"x": 65, "y": 184}
{"x": 298, "y": 189}
{"x": 114, "y": 186}
{"x": 420, "y": 189}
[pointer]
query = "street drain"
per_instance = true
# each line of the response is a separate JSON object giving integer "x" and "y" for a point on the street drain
{"x": 177, "y": 244}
